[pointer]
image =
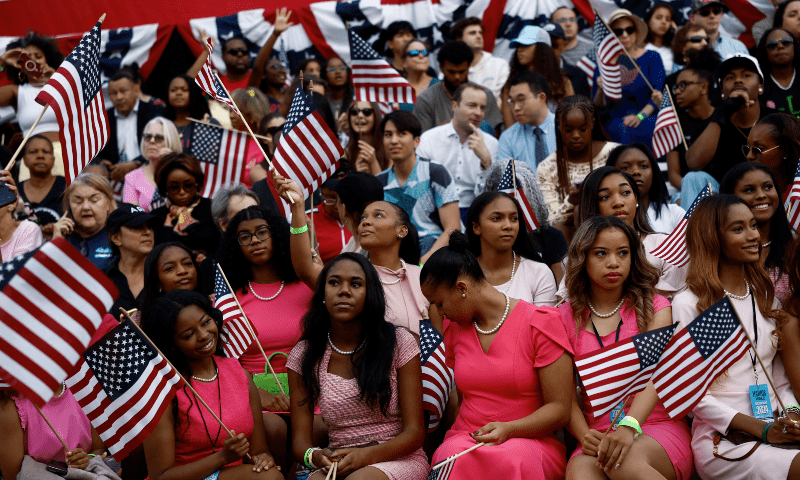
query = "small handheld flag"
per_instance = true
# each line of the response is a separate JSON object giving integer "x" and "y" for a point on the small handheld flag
{"x": 373, "y": 78}
{"x": 437, "y": 378}
{"x": 608, "y": 47}
{"x": 209, "y": 82}
{"x": 234, "y": 325}
{"x": 221, "y": 154}
{"x": 667, "y": 134}
{"x": 673, "y": 249}
{"x": 792, "y": 204}
{"x": 508, "y": 185}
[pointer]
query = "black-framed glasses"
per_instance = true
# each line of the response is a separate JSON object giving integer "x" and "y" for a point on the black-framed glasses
{"x": 187, "y": 187}
{"x": 679, "y": 87}
{"x": 367, "y": 112}
{"x": 757, "y": 151}
{"x": 273, "y": 130}
{"x": 697, "y": 39}
{"x": 238, "y": 51}
{"x": 340, "y": 68}
{"x": 708, "y": 11}
{"x": 415, "y": 52}
{"x": 246, "y": 238}
{"x": 773, "y": 44}
{"x": 156, "y": 138}
{"x": 629, "y": 30}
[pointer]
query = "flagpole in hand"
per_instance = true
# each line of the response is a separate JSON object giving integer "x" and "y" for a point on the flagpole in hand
{"x": 314, "y": 241}
{"x": 52, "y": 427}
{"x": 625, "y": 50}
{"x": 616, "y": 417}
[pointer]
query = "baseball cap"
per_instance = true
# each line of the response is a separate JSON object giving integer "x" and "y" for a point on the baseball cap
{"x": 530, "y": 35}
{"x": 127, "y": 215}
{"x": 739, "y": 60}
{"x": 357, "y": 190}
{"x": 698, "y": 4}
{"x": 554, "y": 29}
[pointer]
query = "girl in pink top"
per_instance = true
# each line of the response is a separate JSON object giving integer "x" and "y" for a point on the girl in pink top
{"x": 188, "y": 443}
{"x": 612, "y": 295}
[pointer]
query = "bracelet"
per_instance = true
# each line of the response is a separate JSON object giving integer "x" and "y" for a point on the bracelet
{"x": 791, "y": 409}
{"x": 631, "y": 422}
{"x": 298, "y": 231}
{"x": 1, "y": 68}
{"x": 764, "y": 432}
{"x": 640, "y": 116}
{"x": 308, "y": 456}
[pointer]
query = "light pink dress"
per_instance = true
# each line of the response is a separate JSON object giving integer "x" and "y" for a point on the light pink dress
{"x": 672, "y": 435}
{"x": 500, "y": 386}
{"x": 352, "y": 423}
{"x": 533, "y": 282}
{"x": 138, "y": 190}
{"x": 26, "y": 237}
{"x": 405, "y": 303}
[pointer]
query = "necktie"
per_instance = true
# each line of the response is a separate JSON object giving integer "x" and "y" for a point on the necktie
{"x": 541, "y": 148}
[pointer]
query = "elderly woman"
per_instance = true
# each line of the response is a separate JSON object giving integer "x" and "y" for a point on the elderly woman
{"x": 227, "y": 202}
{"x": 160, "y": 137}
{"x": 43, "y": 190}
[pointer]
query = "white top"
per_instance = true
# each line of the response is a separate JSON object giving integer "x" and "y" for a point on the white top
{"x": 127, "y": 140}
{"x": 671, "y": 216}
{"x": 490, "y": 72}
{"x": 442, "y": 145}
{"x": 666, "y": 55}
{"x": 533, "y": 282}
{"x": 28, "y": 111}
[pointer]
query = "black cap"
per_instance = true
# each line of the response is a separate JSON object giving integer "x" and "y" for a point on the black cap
{"x": 357, "y": 190}
{"x": 554, "y": 30}
{"x": 127, "y": 215}
{"x": 698, "y": 4}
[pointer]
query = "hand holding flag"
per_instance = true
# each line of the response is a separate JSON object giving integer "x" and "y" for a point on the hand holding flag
{"x": 237, "y": 329}
{"x": 437, "y": 377}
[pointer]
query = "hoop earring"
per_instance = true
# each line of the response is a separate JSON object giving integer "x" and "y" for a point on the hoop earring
{"x": 21, "y": 76}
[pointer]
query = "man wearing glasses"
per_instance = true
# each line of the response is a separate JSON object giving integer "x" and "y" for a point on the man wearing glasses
{"x": 576, "y": 48}
{"x": 708, "y": 14}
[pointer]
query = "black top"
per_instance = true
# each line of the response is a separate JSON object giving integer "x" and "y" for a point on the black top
{"x": 729, "y": 147}
{"x": 692, "y": 128}
{"x": 786, "y": 101}
{"x": 50, "y": 209}
{"x": 200, "y": 236}
{"x": 126, "y": 299}
{"x": 550, "y": 243}
{"x": 580, "y": 82}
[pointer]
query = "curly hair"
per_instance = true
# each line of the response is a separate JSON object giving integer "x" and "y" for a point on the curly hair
{"x": 638, "y": 288}
{"x": 230, "y": 257}
{"x": 47, "y": 45}
{"x": 591, "y": 115}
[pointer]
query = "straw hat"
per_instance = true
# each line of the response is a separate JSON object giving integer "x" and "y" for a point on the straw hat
{"x": 641, "y": 27}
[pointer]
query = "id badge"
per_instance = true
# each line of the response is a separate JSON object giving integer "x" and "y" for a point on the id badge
{"x": 759, "y": 402}
{"x": 613, "y": 414}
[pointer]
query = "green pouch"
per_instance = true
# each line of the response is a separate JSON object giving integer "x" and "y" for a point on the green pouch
{"x": 265, "y": 381}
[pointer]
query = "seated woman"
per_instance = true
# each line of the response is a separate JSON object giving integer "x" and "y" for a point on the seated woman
{"x": 17, "y": 237}
{"x": 184, "y": 443}
{"x": 160, "y": 138}
{"x": 525, "y": 352}
{"x": 364, "y": 373}
{"x": 185, "y": 100}
{"x": 169, "y": 266}
{"x": 661, "y": 29}
{"x": 130, "y": 234}
{"x": 186, "y": 217}
{"x": 723, "y": 243}
{"x": 498, "y": 237}
{"x": 609, "y": 273}
{"x": 638, "y": 161}
{"x": 43, "y": 191}
{"x": 756, "y": 185}
{"x": 364, "y": 148}
{"x": 775, "y": 142}
{"x": 778, "y": 59}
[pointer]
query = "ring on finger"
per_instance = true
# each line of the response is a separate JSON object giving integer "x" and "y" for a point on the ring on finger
{"x": 784, "y": 429}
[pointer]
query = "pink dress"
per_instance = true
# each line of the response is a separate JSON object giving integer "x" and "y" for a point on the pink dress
{"x": 501, "y": 386}
{"x": 197, "y": 433}
{"x": 68, "y": 419}
{"x": 352, "y": 423}
{"x": 138, "y": 190}
{"x": 673, "y": 435}
{"x": 405, "y": 303}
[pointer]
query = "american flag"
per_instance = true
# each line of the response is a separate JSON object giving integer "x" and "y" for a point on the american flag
{"x": 588, "y": 63}
{"x": 308, "y": 151}
{"x": 667, "y": 134}
{"x": 437, "y": 378}
{"x": 442, "y": 473}
{"x": 234, "y": 326}
{"x": 209, "y": 82}
{"x": 221, "y": 153}
{"x": 673, "y": 249}
{"x": 123, "y": 385}
{"x": 792, "y": 204}
{"x": 507, "y": 185}
{"x": 52, "y": 300}
{"x": 373, "y": 78}
{"x": 698, "y": 354}
{"x": 607, "y": 47}
{"x": 74, "y": 93}
{"x": 612, "y": 373}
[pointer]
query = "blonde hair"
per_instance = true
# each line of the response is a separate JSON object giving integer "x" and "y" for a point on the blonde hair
{"x": 93, "y": 180}
{"x": 172, "y": 138}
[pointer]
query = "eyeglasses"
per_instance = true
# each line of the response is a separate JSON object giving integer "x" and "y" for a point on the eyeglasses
{"x": 237, "y": 51}
{"x": 619, "y": 31}
{"x": 340, "y": 68}
{"x": 246, "y": 238}
{"x": 367, "y": 112}
{"x": 415, "y": 52}
{"x": 708, "y": 11}
{"x": 149, "y": 137}
{"x": 679, "y": 87}
{"x": 784, "y": 42}
{"x": 564, "y": 21}
{"x": 519, "y": 100}
{"x": 757, "y": 151}
{"x": 697, "y": 39}
{"x": 187, "y": 187}
{"x": 273, "y": 130}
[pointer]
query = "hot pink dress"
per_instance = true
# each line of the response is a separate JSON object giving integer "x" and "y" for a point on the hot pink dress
{"x": 672, "y": 435}
{"x": 500, "y": 386}
{"x": 353, "y": 423}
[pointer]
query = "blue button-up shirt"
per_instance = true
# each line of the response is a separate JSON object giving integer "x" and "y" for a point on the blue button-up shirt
{"x": 519, "y": 142}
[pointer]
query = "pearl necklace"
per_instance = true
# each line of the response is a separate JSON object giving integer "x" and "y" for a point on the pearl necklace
{"x": 765, "y": 245}
{"x": 207, "y": 380}
{"x": 503, "y": 319}
{"x": 342, "y": 352}
{"x": 606, "y": 315}
{"x": 739, "y": 297}
{"x": 396, "y": 281}
{"x": 513, "y": 269}
{"x": 262, "y": 298}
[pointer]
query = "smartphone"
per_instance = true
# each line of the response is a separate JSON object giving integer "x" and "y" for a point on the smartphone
{"x": 29, "y": 65}
{"x": 7, "y": 197}
{"x": 59, "y": 468}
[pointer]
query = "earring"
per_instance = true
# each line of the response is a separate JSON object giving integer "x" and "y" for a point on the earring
{"x": 323, "y": 302}
{"x": 722, "y": 95}
{"x": 637, "y": 205}
{"x": 464, "y": 295}
{"x": 21, "y": 77}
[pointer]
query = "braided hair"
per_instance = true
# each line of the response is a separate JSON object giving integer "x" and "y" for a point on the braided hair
{"x": 591, "y": 115}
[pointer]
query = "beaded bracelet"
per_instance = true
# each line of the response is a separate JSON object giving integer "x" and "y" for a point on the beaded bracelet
{"x": 764, "y": 432}
{"x": 298, "y": 231}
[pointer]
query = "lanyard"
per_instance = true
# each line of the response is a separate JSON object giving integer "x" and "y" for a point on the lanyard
{"x": 755, "y": 335}
{"x": 599, "y": 340}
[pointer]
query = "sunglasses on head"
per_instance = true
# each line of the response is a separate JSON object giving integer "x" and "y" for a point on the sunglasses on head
{"x": 784, "y": 42}
{"x": 237, "y": 51}
{"x": 415, "y": 52}
{"x": 708, "y": 11}
{"x": 697, "y": 39}
{"x": 619, "y": 31}
{"x": 367, "y": 112}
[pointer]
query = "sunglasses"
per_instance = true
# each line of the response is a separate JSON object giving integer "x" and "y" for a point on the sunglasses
{"x": 237, "y": 51}
{"x": 415, "y": 52}
{"x": 708, "y": 11}
{"x": 367, "y": 112}
{"x": 619, "y": 31}
{"x": 340, "y": 68}
{"x": 273, "y": 130}
{"x": 276, "y": 66}
{"x": 187, "y": 187}
{"x": 784, "y": 42}
{"x": 149, "y": 137}
{"x": 697, "y": 39}
{"x": 757, "y": 151}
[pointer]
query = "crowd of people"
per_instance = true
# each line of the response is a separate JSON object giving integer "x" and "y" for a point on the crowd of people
{"x": 415, "y": 236}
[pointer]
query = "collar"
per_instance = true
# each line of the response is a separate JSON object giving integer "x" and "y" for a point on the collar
{"x": 133, "y": 112}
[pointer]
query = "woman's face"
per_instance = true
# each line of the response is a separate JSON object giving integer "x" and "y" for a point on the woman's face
{"x": 689, "y": 88}
{"x": 380, "y": 226}
{"x": 274, "y": 72}
{"x": 179, "y": 94}
{"x": 740, "y": 236}
{"x": 314, "y": 68}
{"x": 362, "y": 117}
{"x": 181, "y": 187}
{"x": 757, "y": 189}
{"x": 90, "y": 208}
{"x": 134, "y": 240}
{"x": 176, "y": 270}
{"x": 622, "y": 28}
{"x": 255, "y": 233}
{"x": 780, "y": 48}
{"x": 576, "y": 131}
{"x": 772, "y": 155}
{"x": 791, "y": 19}
{"x": 336, "y": 73}
{"x": 498, "y": 224}
{"x": 196, "y": 333}
{"x": 345, "y": 290}
{"x": 636, "y": 164}
{"x": 608, "y": 261}
{"x": 273, "y": 126}
{"x": 615, "y": 198}
{"x": 39, "y": 157}
{"x": 525, "y": 54}
{"x": 153, "y": 141}
{"x": 660, "y": 21}
{"x": 417, "y": 63}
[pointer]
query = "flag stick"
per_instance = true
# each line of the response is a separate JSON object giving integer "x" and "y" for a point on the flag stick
{"x": 332, "y": 471}
{"x": 186, "y": 382}
{"x": 262, "y": 137}
{"x": 13, "y": 160}
{"x": 677, "y": 120}
{"x": 625, "y": 50}
{"x": 514, "y": 176}
{"x": 52, "y": 427}
{"x": 616, "y": 417}
{"x": 313, "y": 231}
{"x": 250, "y": 327}
{"x": 454, "y": 457}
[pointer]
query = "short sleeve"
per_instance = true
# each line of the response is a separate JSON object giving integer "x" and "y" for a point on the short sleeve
{"x": 295, "y": 361}
{"x": 406, "y": 347}
{"x": 660, "y": 302}
{"x": 548, "y": 336}
{"x": 444, "y": 190}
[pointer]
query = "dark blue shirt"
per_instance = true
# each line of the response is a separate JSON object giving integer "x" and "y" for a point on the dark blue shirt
{"x": 96, "y": 248}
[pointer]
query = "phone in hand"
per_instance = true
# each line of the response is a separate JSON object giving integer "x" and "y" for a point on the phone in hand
{"x": 29, "y": 65}
{"x": 59, "y": 468}
{"x": 7, "y": 197}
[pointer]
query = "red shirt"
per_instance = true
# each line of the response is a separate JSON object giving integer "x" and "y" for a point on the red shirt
{"x": 231, "y": 86}
{"x": 331, "y": 235}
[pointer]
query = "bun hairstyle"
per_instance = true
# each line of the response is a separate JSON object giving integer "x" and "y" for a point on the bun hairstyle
{"x": 450, "y": 263}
